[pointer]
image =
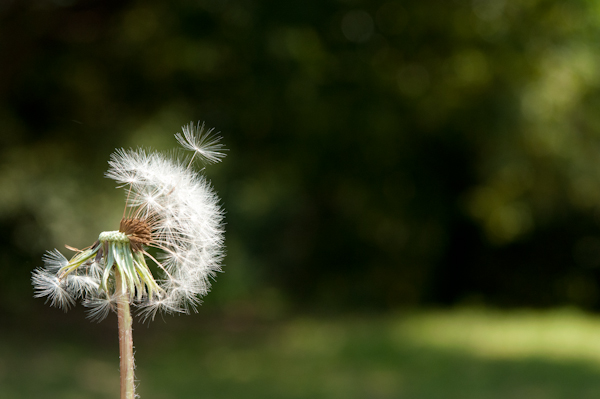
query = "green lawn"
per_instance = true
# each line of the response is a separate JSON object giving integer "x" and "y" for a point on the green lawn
{"x": 422, "y": 355}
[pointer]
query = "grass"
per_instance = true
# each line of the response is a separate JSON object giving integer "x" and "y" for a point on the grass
{"x": 422, "y": 355}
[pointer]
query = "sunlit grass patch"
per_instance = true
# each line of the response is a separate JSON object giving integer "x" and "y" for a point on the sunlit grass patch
{"x": 565, "y": 334}
{"x": 464, "y": 353}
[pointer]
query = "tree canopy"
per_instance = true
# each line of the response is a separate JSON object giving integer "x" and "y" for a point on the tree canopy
{"x": 382, "y": 154}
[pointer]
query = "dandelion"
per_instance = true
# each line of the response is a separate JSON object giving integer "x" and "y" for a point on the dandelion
{"x": 206, "y": 145}
{"x": 170, "y": 208}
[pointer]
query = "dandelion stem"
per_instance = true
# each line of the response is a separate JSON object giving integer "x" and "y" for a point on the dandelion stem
{"x": 125, "y": 340}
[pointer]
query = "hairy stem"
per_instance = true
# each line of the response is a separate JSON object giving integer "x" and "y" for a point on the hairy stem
{"x": 125, "y": 340}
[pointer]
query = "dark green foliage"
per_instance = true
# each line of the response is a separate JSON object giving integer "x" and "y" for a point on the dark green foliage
{"x": 382, "y": 154}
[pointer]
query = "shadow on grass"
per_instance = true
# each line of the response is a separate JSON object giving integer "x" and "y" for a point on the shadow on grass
{"x": 367, "y": 357}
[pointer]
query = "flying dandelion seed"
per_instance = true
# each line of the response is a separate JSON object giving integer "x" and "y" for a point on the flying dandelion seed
{"x": 170, "y": 207}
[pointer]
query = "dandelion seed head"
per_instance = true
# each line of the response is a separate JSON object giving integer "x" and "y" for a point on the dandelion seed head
{"x": 170, "y": 207}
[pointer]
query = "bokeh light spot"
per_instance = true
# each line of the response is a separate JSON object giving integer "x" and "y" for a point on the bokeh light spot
{"x": 357, "y": 26}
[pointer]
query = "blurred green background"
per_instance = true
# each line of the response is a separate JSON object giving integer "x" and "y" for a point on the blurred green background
{"x": 385, "y": 158}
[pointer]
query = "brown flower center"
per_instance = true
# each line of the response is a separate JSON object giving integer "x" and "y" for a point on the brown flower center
{"x": 138, "y": 231}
